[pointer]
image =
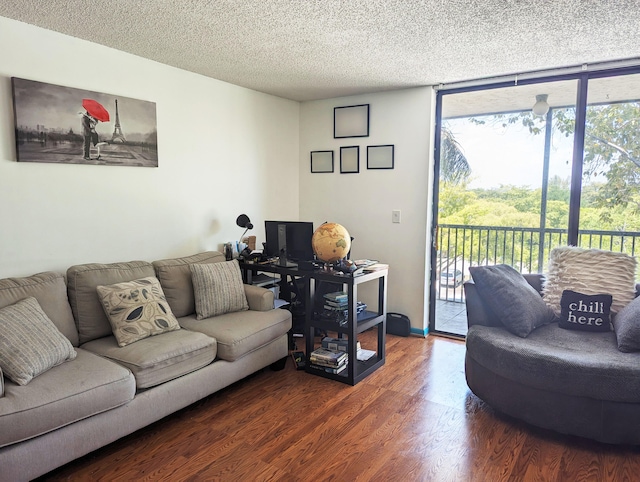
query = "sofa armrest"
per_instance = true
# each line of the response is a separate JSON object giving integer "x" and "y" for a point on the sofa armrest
{"x": 1, "y": 384}
{"x": 259, "y": 299}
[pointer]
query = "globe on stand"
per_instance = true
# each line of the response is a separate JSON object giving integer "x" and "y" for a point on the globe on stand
{"x": 331, "y": 242}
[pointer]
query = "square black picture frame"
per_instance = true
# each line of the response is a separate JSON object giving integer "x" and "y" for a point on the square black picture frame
{"x": 349, "y": 160}
{"x": 380, "y": 157}
{"x": 321, "y": 161}
{"x": 351, "y": 121}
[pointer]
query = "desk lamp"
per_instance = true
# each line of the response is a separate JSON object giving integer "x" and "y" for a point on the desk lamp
{"x": 244, "y": 222}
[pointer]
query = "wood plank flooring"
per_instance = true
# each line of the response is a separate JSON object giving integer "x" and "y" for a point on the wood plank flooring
{"x": 412, "y": 420}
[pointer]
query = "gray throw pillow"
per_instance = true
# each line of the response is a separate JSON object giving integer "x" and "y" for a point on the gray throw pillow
{"x": 218, "y": 289}
{"x": 30, "y": 344}
{"x": 626, "y": 324}
{"x": 518, "y": 306}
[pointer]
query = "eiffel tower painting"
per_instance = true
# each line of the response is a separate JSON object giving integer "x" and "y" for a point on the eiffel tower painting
{"x": 117, "y": 130}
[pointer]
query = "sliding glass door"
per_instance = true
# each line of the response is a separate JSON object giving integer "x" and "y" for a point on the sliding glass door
{"x": 521, "y": 169}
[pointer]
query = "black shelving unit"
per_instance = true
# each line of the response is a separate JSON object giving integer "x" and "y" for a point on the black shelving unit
{"x": 356, "y": 323}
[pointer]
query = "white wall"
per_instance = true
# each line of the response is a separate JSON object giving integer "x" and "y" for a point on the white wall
{"x": 363, "y": 202}
{"x": 223, "y": 150}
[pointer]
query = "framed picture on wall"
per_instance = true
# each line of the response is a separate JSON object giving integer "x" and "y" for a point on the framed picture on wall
{"x": 349, "y": 159}
{"x": 380, "y": 157}
{"x": 321, "y": 161}
{"x": 64, "y": 125}
{"x": 351, "y": 121}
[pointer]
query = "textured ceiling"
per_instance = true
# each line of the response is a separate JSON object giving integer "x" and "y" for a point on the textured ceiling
{"x": 306, "y": 49}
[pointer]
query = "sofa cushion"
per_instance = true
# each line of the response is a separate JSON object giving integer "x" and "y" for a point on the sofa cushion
{"x": 82, "y": 281}
{"x": 241, "y": 332}
{"x": 627, "y": 327}
{"x": 585, "y": 312}
{"x": 592, "y": 272}
{"x": 175, "y": 278}
{"x": 30, "y": 344}
{"x": 51, "y": 292}
{"x": 160, "y": 358}
{"x": 570, "y": 362}
{"x": 518, "y": 306}
{"x": 218, "y": 289}
{"x": 137, "y": 309}
{"x": 65, "y": 394}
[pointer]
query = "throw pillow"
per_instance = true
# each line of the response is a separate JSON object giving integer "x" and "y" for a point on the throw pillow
{"x": 585, "y": 312}
{"x": 518, "y": 306}
{"x": 137, "y": 309}
{"x": 218, "y": 289}
{"x": 590, "y": 271}
{"x": 30, "y": 344}
{"x": 626, "y": 324}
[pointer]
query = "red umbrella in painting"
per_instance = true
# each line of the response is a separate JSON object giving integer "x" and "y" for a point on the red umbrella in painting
{"x": 95, "y": 110}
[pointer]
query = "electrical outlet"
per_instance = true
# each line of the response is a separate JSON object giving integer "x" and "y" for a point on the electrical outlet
{"x": 395, "y": 216}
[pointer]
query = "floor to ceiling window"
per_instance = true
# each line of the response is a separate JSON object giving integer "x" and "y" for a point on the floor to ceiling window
{"x": 524, "y": 168}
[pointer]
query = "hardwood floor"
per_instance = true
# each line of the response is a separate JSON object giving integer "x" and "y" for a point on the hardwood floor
{"x": 412, "y": 420}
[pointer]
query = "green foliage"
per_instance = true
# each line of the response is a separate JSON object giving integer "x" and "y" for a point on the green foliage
{"x": 454, "y": 167}
{"x": 611, "y": 148}
{"x": 610, "y": 193}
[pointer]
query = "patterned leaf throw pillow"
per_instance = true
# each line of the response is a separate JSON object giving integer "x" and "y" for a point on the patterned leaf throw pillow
{"x": 218, "y": 289}
{"x": 30, "y": 344}
{"x": 585, "y": 312}
{"x": 137, "y": 309}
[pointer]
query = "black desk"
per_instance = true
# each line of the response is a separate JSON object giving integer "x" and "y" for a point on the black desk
{"x": 355, "y": 323}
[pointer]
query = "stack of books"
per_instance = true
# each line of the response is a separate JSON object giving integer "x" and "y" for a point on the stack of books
{"x": 332, "y": 361}
{"x": 336, "y": 307}
{"x": 337, "y": 303}
{"x": 340, "y": 344}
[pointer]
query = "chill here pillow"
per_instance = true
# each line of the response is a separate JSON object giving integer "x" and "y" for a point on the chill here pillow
{"x": 585, "y": 312}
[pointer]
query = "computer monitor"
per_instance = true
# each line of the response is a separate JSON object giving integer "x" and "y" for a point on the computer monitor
{"x": 289, "y": 239}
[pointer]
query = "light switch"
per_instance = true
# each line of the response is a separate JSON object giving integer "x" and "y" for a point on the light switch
{"x": 395, "y": 216}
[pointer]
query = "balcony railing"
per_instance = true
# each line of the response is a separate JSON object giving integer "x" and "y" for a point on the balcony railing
{"x": 526, "y": 249}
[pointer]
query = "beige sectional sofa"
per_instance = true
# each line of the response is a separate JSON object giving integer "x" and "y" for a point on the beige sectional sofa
{"x": 108, "y": 391}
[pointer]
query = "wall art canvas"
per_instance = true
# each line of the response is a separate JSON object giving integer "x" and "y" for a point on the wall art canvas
{"x": 64, "y": 125}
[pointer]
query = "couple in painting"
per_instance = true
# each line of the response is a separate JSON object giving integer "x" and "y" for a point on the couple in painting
{"x": 94, "y": 113}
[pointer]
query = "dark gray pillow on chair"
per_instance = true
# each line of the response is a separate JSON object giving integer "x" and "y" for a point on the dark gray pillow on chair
{"x": 627, "y": 327}
{"x": 519, "y": 307}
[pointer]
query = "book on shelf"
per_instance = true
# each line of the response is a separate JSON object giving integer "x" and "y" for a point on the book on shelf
{"x": 299, "y": 359}
{"x": 336, "y": 304}
{"x": 335, "y": 308}
{"x": 335, "y": 370}
{"x": 337, "y": 344}
{"x": 331, "y": 357}
{"x": 376, "y": 267}
{"x": 360, "y": 306}
{"x": 337, "y": 296}
{"x": 364, "y": 355}
{"x": 363, "y": 263}
{"x": 328, "y": 365}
